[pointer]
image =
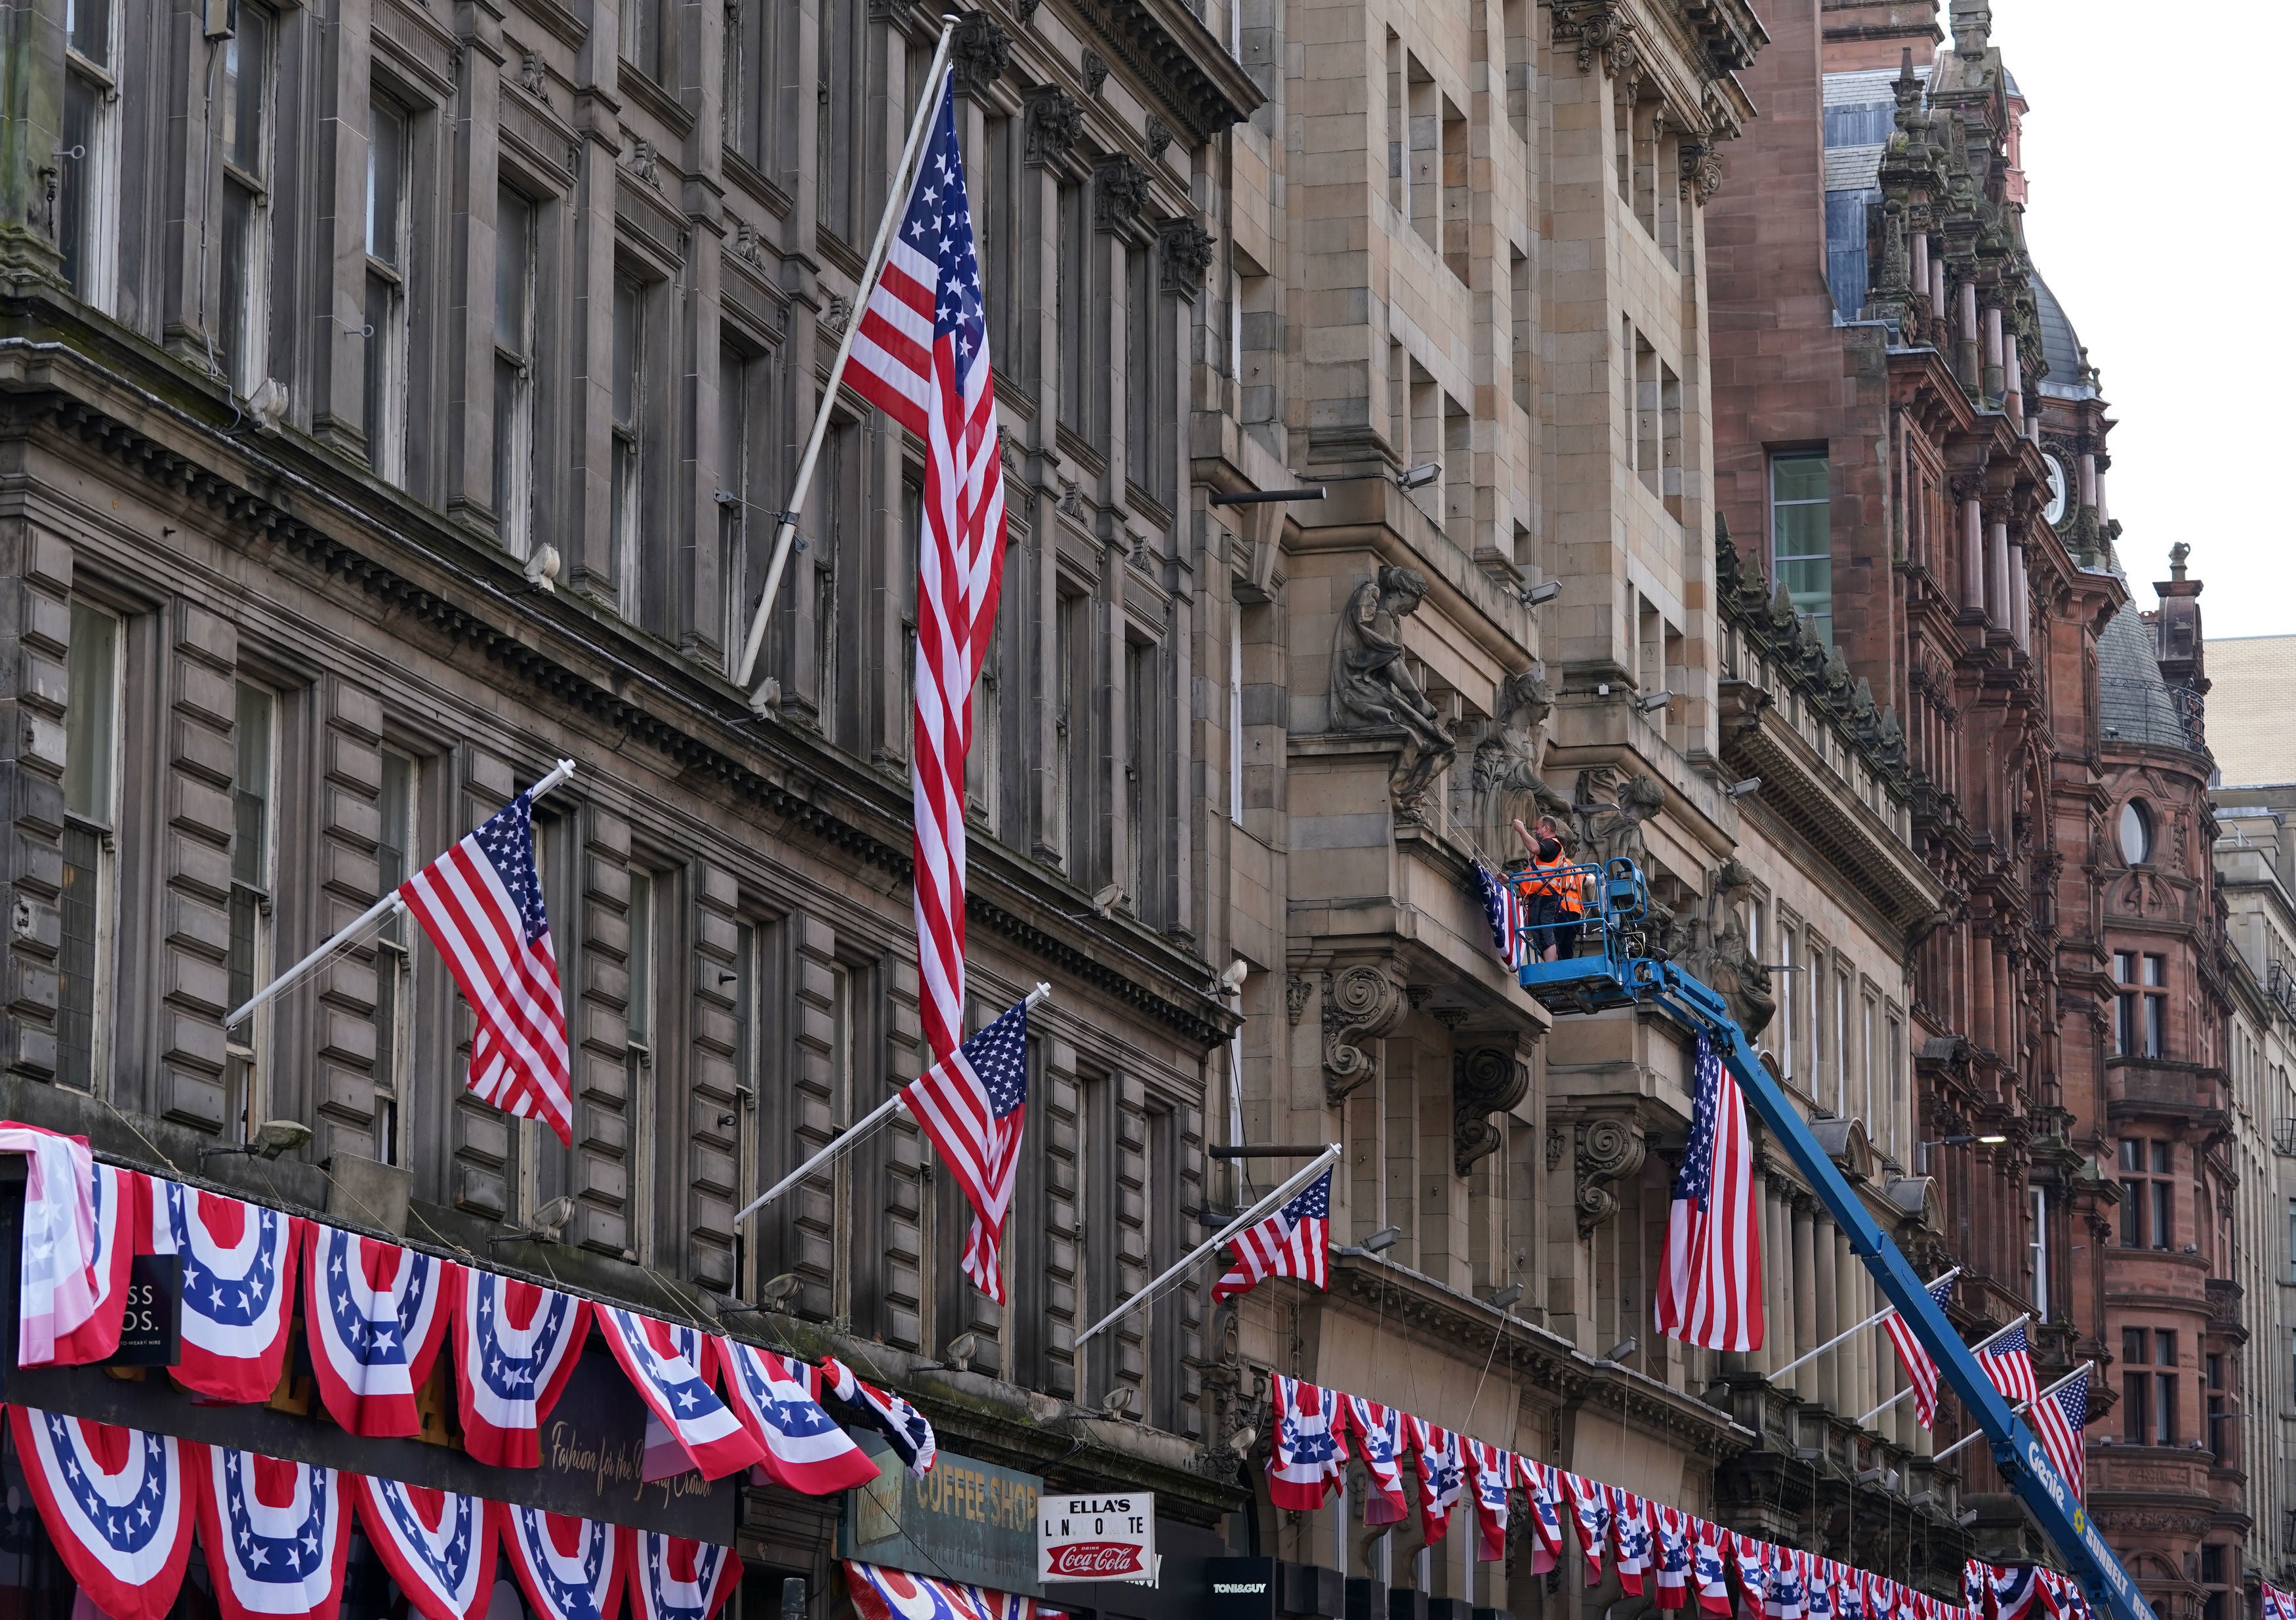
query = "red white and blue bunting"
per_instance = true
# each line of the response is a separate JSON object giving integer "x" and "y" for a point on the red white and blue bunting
{"x": 375, "y": 1314}
{"x": 903, "y": 1426}
{"x": 118, "y": 1504}
{"x": 1442, "y": 1477}
{"x": 276, "y": 1535}
{"x": 668, "y": 1365}
{"x": 439, "y": 1546}
{"x": 1380, "y": 1429}
{"x": 239, "y": 1273}
{"x": 1492, "y": 1472}
{"x": 893, "y": 1594}
{"x": 569, "y": 1568}
{"x": 1631, "y": 1531}
{"x": 672, "y": 1578}
{"x": 1542, "y": 1487}
{"x": 1309, "y": 1457}
{"x": 120, "y": 1201}
{"x": 53, "y": 1297}
{"x": 778, "y": 1401}
{"x": 516, "y": 1346}
{"x": 1590, "y": 1507}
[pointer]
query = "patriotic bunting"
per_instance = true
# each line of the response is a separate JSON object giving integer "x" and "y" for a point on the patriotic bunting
{"x": 439, "y": 1546}
{"x": 1310, "y": 1454}
{"x": 1753, "y": 1574}
{"x": 1543, "y": 1489}
{"x": 54, "y": 1295}
{"x": 120, "y": 1202}
{"x": 118, "y": 1505}
{"x": 665, "y": 1363}
{"x": 1380, "y": 1429}
{"x": 1493, "y": 1470}
{"x": 1590, "y": 1507}
{"x": 277, "y": 1534}
{"x": 1630, "y": 1531}
{"x": 2013, "y": 1592}
{"x": 778, "y": 1401}
{"x": 1849, "y": 1595}
{"x": 375, "y": 1315}
{"x": 1817, "y": 1586}
{"x": 1708, "y": 1568}
{"x": 2278, "y": 1605}
{"x": 1787, "y": 1597}
{"x": 672, "y": 1578}
{"x": 902, "y": 1425}
{"x": 569, "y": 1568}
{"x": 1442, "y": 1477}
{"x": 1672, "y": 1529}
{"x": 892, "y": 1594}
{"x": 517, "y": 1345}
{"x": 238, "y": 1274}
{"x": 1503, "y": 911}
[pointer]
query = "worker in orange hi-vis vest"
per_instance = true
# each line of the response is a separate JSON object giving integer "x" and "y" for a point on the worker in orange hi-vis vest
{"x": 1554, "y": 903}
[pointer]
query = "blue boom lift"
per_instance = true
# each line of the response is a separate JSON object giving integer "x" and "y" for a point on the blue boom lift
{"x": 1627, "y": 973}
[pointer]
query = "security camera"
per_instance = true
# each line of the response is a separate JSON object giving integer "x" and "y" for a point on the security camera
{"x": 1533, "y": 595}
{"x": 1657, "y": 700}
{"x": 1413, "y": 477}
{"x": 1739, "y": 790}
{"x": 271, "y": 1139}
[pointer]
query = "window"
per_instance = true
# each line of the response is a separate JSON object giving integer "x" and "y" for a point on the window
{"x": 642, "y": 30}
{"x": 2292, "y": 1240}
{"x": 394, "y": 961}
{"x": 840, "y": 128}
{"x": 2136, "y": 833}
{"x": 2037, "y": 1255}
{"x": 1784, "y": 981}
{"x": 735, "y": 375}
{"x": 1142, "y": 757}
{"x": 245, "y": 101}
{"x": 91, "y": 775}
{"x": 2148, "y": 1386}
{"x": 1071, "y": 296}
{"x": 2140, "y": 1005}
{"x": 515, "y": 350}
{"x": 638, "y": 1053}
{"x": 1236, "y": 713}
{"x": 248, "y": 961}
{"x": 2147, "y": 1211}
{"x": 2224, "y": 1435}
{"x": 1801, "y": 547}
{"x": 629, "y": 426}
{"x": 389, "y": 158}
{"x": 1071, "y": 665}
{"x": 87, "y": 165}
{"x": 1842, "y": 1094}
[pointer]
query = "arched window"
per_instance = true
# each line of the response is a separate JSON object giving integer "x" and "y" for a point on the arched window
{"x": 2136, "y": 833}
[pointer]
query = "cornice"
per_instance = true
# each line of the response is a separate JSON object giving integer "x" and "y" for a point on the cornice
{"x": 1176, "y": 58}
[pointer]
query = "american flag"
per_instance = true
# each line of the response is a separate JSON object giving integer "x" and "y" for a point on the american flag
{"x": 481, "y": 904}
{"x": 921, "y": 354}
{"x": 2059, "y": 1419}
{"x": 2278, "y": 1605}
{"x": 1920, "y": 1370}
{"x": 1710, "y": 1291}
{"x": 2008, "y": 1362}
{"x": 972, "y": 1103}
{"x": 1290, "y": 1243}
{"x": 1503, "y": 909}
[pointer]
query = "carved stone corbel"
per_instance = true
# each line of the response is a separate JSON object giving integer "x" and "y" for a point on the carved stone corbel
{"x": 1360, "y": 1003}
{"x": 981, "y": 52}
{"x": 1485, "y": 1080}
{"x": 1610, "y": 1148}
{"x": 1056, "y": 124}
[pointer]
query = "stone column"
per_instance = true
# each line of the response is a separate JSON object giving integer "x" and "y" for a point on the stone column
{"x": 1805, "y": 1294}
{"x": 1829, "y": 1316}
{"x": 2088, "y": 478}
{"x": 1973, "y": 550}
{"x": 1994, "y": 376}
{"x": 2021, "y": 617}
{"x": 2013, "y": 386}
{"x": 1997, "y": 569}
{"x": 1965, "y": 355}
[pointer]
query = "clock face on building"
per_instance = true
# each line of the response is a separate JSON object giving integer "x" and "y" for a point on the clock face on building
{"x": 2057, "y": 510}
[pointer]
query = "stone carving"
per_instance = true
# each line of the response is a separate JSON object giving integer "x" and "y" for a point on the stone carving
{"x": 1360, "y": 1003}
{"x": 1610, "y": 1148}
{"x": 1372, "y": 687}
{"x": 1025, "y": 11}
{"x": 1159, "y": 136}
{"x": 840, "y": 311}
{"x": 1121, "y": 195}
{"x": 1187, "y": 256}
{"x": 1720, "y": 953}
{"x": 1557, "y": 1143}
{"x": 642, "y": 162}
{"x": 981, "y": 52}
{"x": 1608, "y": 828}
{"x": 1095, "y": 73}
{"x": 748, "y": 247}
{"x": 1055, "y": 124}
{"x": 1295, "y": 997}
{"x": 529, "y": 77}
{"x": 1601, "y": 31}
{"x": 1485, "y": 1080}
{"x": 1504, "y": 783}
{"x": 1071, "y": 501}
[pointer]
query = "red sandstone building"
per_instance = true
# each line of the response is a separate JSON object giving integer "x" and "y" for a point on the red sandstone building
{"x": 1910, "y": 443}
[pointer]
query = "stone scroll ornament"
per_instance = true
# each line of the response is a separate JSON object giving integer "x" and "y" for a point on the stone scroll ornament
{"x": 516, "y": 1346}
{"x": 437, "y": 1545}
{"x": 1360, "y": 1003}
{"x": 570, "y": 1568}
{"x": 1485, "y": 1080}
{"x": 239, "y": 1276}
{"x": 118, "y": 1504}
{"x": 277, "y": 1534}
{"x": 374, "y": 1316}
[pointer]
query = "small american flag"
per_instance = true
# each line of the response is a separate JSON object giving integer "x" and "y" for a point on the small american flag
{"x": 920, "y": 354}
{"x": 2008, "y": 1362}
{"x": 1502, "y": 910}
{"x": 481, "y": 904}
{"x": 1920, "y": 1370}
{"x": 1290, "y": 1243}
{"x": 2059, "y": 1419}
{"x": 1710, "y": 1291}
{"x": 972, "y": 1105}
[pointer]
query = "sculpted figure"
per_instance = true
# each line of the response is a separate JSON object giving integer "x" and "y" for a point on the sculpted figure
{"x": 1372, "y": 689}
{"x": 1506, "y": 780}
{"x": 1723, "y": 954}
{"x": 1609, "y": 831}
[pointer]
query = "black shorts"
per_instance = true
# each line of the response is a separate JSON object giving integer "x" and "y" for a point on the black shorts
{"x": 1566, "y": 934}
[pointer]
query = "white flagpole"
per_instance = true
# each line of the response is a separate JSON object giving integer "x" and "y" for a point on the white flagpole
{"x": 1882, "y": 1314}
{"x": 896, "y": 201}
{"x": 1973, "y": 1349}
{"x": 1256, "y": 1212}
{"x": 364, "y": 920}
{"x": 851, "y": 1134}
{"x": 2022, "y": 1406}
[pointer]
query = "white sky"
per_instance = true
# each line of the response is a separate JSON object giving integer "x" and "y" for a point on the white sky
{"x": 2160, "y": 223}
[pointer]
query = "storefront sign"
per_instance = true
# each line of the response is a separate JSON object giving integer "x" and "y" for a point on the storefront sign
{"x": 968, "y": 1521}
{"x": 1239, "y": 1589}
{"x": 149, "y": 1333}
{"x": 1107, "y": 1537}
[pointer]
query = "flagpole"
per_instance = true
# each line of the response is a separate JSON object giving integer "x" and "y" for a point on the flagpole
{"x": 364, "y": 920}
{"x": 1973, "y": 1349}
{"x": 1885, "y": 1312}
{"x": 1322, "y": 1161}
{"x": 896, "y": 200}
{"x": 846, "y": 1138}
{"x": 2021, "y": 1407}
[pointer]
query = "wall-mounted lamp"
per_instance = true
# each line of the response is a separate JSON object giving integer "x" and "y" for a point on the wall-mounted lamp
{"x": 1656, "y": 701}
{"x": 1545, "y": 591}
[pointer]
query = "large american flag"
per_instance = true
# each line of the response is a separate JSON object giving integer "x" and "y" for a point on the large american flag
{"x": 2008, "y": 1362}
{"x": 1709, "y": 1290}
{"x": 481, "y": 904}
{"x": 1502, "y": 910}
{"x": 2059, "y": 1418}
{"x": 1921, "y": 1371}
{"x": 1290, "y": 1243}
{"x": 921, "y": 356}
{"x": 973, "y": 1103}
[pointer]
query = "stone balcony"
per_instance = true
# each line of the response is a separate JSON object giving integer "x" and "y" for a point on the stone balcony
{"x": 2164, "y": 1088}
